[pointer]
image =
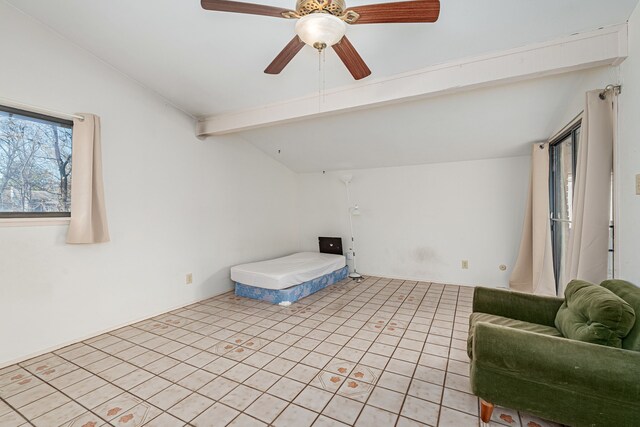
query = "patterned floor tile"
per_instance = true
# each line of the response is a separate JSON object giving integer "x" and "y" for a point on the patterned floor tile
{"x": 378, "y": 353}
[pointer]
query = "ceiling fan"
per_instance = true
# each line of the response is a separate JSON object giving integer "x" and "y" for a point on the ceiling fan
{"x": 323, "y": 23}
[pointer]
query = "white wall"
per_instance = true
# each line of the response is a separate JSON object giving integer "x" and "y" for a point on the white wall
{"x": 175, "y": 204}
{"x": 573, "y": 98}
{"x": 178, "y": 205}
{"x": 628, "y": 155}
{"x": 420, "y": 222}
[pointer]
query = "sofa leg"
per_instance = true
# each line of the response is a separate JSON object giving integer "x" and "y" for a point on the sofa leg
{"x": 486, "y": 409}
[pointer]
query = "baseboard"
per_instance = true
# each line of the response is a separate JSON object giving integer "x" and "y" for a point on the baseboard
{"x": 103, "y": 331}
{"x": 86, "y": 337}
{"x": 413, "y": 279}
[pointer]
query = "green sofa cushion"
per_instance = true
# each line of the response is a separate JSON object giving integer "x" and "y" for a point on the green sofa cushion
{"x": 594, "y": 314}
{"x": 631, "y": 294}
{"x": 505, "y": 321}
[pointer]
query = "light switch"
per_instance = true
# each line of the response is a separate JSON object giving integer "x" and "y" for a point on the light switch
{"x": 638, "y": 184}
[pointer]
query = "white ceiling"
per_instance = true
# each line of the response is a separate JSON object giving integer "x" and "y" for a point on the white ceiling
{"x": 486, "y": 123}
{"x": 208, "y": 63}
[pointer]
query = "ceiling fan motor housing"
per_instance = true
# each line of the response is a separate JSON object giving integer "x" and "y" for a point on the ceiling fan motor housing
{"x": 334, "y": 7}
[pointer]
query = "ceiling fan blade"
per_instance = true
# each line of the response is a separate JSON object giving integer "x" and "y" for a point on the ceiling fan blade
{"x": 352, "y": 59}
{"x": 285, "y": 56}
{"x": 398, "y": 12}
{"x": 239, "y": 7}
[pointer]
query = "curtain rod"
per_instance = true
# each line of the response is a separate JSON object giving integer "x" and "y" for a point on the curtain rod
{"x": 616, "y": 89}
{"x": 15, "y": 104}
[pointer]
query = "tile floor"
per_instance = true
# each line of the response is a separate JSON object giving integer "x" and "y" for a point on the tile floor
{"x": 380, "y": 353}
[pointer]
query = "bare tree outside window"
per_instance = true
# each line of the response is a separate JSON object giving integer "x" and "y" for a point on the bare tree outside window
{"x": 35, "y": 164}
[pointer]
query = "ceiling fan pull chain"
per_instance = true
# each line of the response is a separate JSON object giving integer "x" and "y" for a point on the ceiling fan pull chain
{"x": 320, "y": 79}
{"x": 324, "y": 74}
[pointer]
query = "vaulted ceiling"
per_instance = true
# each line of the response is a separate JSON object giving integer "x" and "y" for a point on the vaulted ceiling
{"x": 210, "y": 63}
{"x": 485, "y": 123}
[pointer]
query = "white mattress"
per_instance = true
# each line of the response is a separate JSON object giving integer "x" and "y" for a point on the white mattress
{"x": 282, "y": 273}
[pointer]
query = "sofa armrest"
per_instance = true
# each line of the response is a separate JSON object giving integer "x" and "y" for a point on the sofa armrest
{"x": 588, "y": 369}
{"x": 517, "y": 305}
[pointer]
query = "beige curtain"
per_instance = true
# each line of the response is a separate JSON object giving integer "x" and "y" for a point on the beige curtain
{"x": 88, "y": 214}
{"x": 533, "y": 271}
{"x": 587, "y": 252}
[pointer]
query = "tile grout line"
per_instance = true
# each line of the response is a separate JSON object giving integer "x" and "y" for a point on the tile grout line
{"x": 366, "y": 303}
{"x": 356, "y": 363}
{"x": 199, "y": 368}
{"x": 333, "y": 357}
{"x": 398, "y": 287}
{"x": 110, "y": 382}
{"x": 422, "y": 349}
{"x": 405, "y": 331}
{"x": 335, "y": 393}
{"x": 448, "y": 355}
{"x": 92, "y": 373}
{"x": 16, "y": 411}
{"x": 59, "y": 390}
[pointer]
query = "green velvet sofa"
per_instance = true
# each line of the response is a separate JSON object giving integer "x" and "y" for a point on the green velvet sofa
{"x": 520, "y": 360}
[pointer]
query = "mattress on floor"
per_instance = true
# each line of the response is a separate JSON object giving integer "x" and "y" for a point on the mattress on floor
{"x": 282, "y": 273}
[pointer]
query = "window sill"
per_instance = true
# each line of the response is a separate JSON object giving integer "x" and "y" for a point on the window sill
{"x": 33, "y": 222}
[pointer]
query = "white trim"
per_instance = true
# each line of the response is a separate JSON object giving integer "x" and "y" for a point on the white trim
{"x": 33, "y": 222}
{"x": 34, "y": 109}
{"x": 104, "y": 331}
{"x": 434, "y": 282}
{"x": 601, "y": 47}
{"x": 572, "y": 123}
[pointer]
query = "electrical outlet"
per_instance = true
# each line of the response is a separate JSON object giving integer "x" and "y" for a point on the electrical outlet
{"x": 465, "y": 264}
{"x": 188, "y": 278}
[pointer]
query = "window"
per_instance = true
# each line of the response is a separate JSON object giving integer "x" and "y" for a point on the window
{"x": 35, "y": 165}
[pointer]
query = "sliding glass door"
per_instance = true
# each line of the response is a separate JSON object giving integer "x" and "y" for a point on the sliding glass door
{"x": 563, "y": 157}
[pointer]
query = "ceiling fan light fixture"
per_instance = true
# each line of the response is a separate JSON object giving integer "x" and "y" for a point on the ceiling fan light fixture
{"x": 320, "y": 30}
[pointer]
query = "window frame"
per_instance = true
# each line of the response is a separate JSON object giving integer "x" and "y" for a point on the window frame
{"x": 35, "y": 218}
